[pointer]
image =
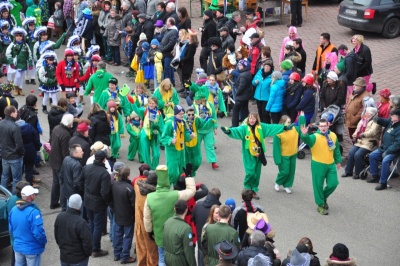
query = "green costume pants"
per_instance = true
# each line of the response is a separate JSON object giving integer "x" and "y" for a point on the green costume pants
{"x": 252, "y": 167}
{"x": 209, "y": 142}
{"x": 134, "y": 144}
{"x": 150, "y": 150}
{"x": 193, "y": 156}
{"x": 320, "y": 173}
{"x": 287, "y": 169}
{"x": 175, "y": 163}
{"x": 115, "y": 142}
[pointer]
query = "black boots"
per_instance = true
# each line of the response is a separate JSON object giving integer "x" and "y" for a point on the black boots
{"x": 373, "y": 179}
{"x": 381, "y": 187}
{"x": 45, "y": 110}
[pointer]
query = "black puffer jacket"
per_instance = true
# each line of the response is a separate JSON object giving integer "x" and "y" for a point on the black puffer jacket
{"x": 97, "y": 186}
{"x": 251, "y": 252}
{"x": 364, "y": 61}
{"x": 231, "y": 24}
{"x": 99, "y": 128}
{"x": 148, "y": 29}
{"x": 59, "y": 146}
{"x": 244, "y": 89}
{"x": 123, "y": 202}
{"x": 71, "y": 179}
{"x": 73, "y": 236}
{"x": 54, "y": 117}
{"x": 200, "y": 213}
{"x": 12, "y": 146}
{"x": 209, "y": 30}
{"x": 221, "y": 21}
{"x": 85, "y": 145}
{"x": 29, "y": 115}
{"x": 351, "y": 67}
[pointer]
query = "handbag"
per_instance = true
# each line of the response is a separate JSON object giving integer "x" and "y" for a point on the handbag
{"x": 140, "y": 76}
{"x": 50, "y": 23}
{"x": 134, "y": 63}
{"x": 221, "y": 76}
{"x": 148, "y": 71}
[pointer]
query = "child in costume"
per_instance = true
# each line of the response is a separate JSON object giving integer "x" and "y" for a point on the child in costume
{"x": 34, "y": 11}
{"x": 90, "y": 70}
{"x": 79, "y": 59}
{"x": 5, "y": 41}
{"x": 174, "y": 135}
{"x": 30, "y": 27}
{"x": 285, "y": 149}
{"x": 43, "y": 44}
{"x": 117, "y": 129}
{"x": 152, "y": 126}
{"x": 167, "y": 98}
{"x": 97, "y": 83}
{"x": 215, "y": 96}
{"x": 92, "y": 50}
{"x": 252, "y": 134}
{"x": 141, "y": 95}
{"x": 5, "y": 15}
{"x": 133, "y": 127}
{"x": 110, "y": 94}
{"x": 19, "y": 57}
{"x": 47, "y": 79}
{"x": 155, "y": 58}
{"x": 67, "y": 73}
{"x": 143, "y": 60}
{"x": 192, "y": 148}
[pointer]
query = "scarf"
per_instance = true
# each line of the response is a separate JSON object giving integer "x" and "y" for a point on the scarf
{"x": 257, "y": 147}
{"x": 331, "y": 145}
{"x": 358, "y": 92}
{"x": 364, "y": 122}
{"x": 191, "y": 127}
{"x": 5, "y": 38}
{"x": 68, "y": 68}
{"x": 179, "y": 133}
{"x": 113, "y": 122}
{"x": 266, "y": 74}
{"x": 135, "y": 123}
{"x": 203, "y": 111}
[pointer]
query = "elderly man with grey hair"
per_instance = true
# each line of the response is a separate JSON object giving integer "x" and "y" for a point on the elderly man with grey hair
{"x": 73, "y": 235}
{"x": 171, "y": 12}
{"x": 59, "y": 140}
{"x": 257, "y": 242}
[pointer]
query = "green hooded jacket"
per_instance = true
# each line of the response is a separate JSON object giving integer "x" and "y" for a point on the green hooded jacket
{"x": 99, "y": 82}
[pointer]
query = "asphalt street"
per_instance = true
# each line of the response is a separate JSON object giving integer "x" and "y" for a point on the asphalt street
{"x": 360, "y": 217}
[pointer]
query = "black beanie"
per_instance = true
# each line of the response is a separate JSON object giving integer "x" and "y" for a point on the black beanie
{"x": 340, "y": 251}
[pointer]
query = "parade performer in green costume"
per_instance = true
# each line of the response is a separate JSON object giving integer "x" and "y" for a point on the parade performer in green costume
{"x": 252, "y": 134}
{"x": 326, "y": 157}
{"x": 174, "y": 135}
{"x": 285, "y": 147}
{"x": 159, "y": 205}
{"x": 193, "y": 148}
{"x": 167, "y": 98}
{"x": 117, "y": 128}
{"x": 152, "y": 126}
{"x": 133, "y": 127}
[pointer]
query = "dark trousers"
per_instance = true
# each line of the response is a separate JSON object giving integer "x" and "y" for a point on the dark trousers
{"x": 240, "y": 107}
{"x": 28, "y": 165}
{"x": 295, "y": 9}
{"x": 107, "y": 49}
{"x": 99, "y": 42}
{"x": 264, "y": 114}
{"x": 96, "y": 221}
{"x": 292, "y": 113}
{"x": 116, "y": 54}
{"x": 55, "y": 188}
{"x": 205, "y": 52}
{"x": 356, "y": 159}
{"x": 275, "y": 117}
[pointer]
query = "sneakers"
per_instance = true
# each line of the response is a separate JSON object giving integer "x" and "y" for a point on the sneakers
{"x": 287, "y": 190}
{"x": 33, "y": 81}
{"x": 322, "y": 210}
{"x": 214, "y": 166}
{"x": 128, "y": 260}
{"x": 276, "y": 187}
{"x": 100, "y": 253}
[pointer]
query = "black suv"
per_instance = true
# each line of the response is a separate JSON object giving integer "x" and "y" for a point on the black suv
{"x": 381, "y": 16}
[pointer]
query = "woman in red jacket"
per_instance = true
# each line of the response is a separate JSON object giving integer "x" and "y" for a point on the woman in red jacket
{"x": 67, "y": 73}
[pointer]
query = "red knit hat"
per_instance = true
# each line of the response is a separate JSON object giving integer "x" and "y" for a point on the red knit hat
{"x": 68, "y": 52}
{"x": 95, "y": 57}
{"x": 111, "y": 103}
{"x": 82, "y": 127}
{"x": 385, "y": 93}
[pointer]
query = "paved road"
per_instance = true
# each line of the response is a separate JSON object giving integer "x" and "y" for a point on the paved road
{"x": 360, "y": 217}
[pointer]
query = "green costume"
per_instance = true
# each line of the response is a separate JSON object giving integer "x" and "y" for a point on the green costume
{"x": 17, "y": 7}
{"x": 192, "y": 147}
{"x": 134, "y": 141}
{"x": 175, "y": 153}
{"x": 213, "y": 234}
{"x": 34, "y": 11}
{"x": 107, "y": 95}
{"x": 250, "y": 150}
{"x": 212, "y": 95}
{"x": 117, "y": 129}
{"x": 159, "y": 205}
{"x": 19, "y": 55}
{"x": 285, "y": 147}
{"x": 98, "y": 82}
{"x": 163, "y": 97}
{"x": 177, "y": 240}
{"x": 323, "y": 164}
{"x": 152, "y": 126}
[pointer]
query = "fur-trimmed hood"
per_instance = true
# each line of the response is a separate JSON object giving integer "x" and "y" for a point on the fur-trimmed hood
{"x": 350, "y": 262}
{"x": 145, "y": 188}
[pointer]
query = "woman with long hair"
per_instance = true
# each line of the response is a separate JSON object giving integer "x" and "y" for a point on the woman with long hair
{"x": 167, "y": 98}
{"x": 185, "y": 21}
{"x": 187, "y": 59}
{"x": 99, "y": 125}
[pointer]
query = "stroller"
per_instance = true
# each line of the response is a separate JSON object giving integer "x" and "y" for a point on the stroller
{"x": 335, "y": 116}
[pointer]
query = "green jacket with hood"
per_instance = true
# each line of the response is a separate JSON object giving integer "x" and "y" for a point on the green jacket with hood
{"x": 34, "y": 11}
{"x": 99, "y": 82}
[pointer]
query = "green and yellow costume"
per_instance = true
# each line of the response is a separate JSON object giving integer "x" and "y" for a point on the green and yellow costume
{"x": 133, "y": 130}
{"x": 163, "y": 97}
{"x": 212, "y": 96}
{"x": 117, "y": 129}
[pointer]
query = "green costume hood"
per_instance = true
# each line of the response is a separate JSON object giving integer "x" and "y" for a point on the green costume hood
{"x": 162, "y": 178}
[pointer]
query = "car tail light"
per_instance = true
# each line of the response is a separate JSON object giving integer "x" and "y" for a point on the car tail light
{"x": 369, "y": 13}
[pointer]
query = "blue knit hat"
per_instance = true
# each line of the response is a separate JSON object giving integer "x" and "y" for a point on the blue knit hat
{"x": 155, "y": 42}
{"x": 146, "y": 46}
{"x": 231, "y": 203}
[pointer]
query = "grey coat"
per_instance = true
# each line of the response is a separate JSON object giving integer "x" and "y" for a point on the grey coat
{"x": 151, "y": 7}
{"x": 103, "y": 19}
{"x": 140, "y": 5}
{"x": 113, "y": 27}
{"x": 168, "y": 42}
{"x": 127, "y": 18}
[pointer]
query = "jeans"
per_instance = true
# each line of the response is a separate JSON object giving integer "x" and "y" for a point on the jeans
{"x": 70, "y": 25}
{"x": 55, "y": 188}
{"x": 110, "y": 213}
{"x": 123, "y": 235}
{"x": 161, "y": 261}
{"x": 168, "y": 70}
{"x": 27, "y": 260}
{"x": 116, "y": 55}
{"x": 13, "y": 167}
{"x": 240, "y": 107}
{"x": 107, "y": 49}
{"x": 96, "y": 221}
{"x": 356, "y": 159}
{"x": 374, "y": 158}
{"x": 82, "y": 263}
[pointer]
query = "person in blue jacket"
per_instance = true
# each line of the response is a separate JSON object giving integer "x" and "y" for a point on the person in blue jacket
{"x": 294, "y": 91}
{"x": 276, "y": 97}
{"x": 262, "y": 82}
{"x": 307, "y": 102}
{"x": 286, "y": 69}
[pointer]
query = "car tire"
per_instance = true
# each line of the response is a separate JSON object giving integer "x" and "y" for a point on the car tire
{"x": 391, "y": 28}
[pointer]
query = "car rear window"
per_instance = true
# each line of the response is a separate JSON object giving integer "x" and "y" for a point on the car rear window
{"x": 362, "y": 2}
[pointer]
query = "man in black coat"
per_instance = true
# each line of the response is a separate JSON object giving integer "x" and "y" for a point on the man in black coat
{"x": 72, "y": 234}
{"x": 232, "y": 25}
{"x": 200, "y": 215}
{"x": 123, "y": 204}
{"x": 298, "y": 45}
{"x": 221, "y": 19}
{"x": 257, "y": 242}
{"x": 97, "y": 197}
{"x": 244, "y": 92}
{"x": 6, "y": 99}
{"x": 171, "y": 12}
{"x": 81, "y": 137}
{"x": 147, "y": 26}
{"x": 167, "y": 46}
{"x": 28, "y": 112}
{"x": 71, "y": 180}
{"x": 207, "y": 31}
{"x": 214, "y": 65}
{"x": 59, "y": 140}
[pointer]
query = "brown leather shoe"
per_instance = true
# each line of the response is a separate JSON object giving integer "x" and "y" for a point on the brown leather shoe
{"x": 128, "y": 260}
{"x": 20, "y": 92}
